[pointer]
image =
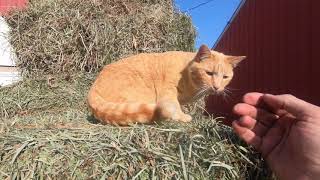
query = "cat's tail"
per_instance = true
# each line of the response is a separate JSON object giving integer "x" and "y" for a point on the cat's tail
{"x": 120, "y": 113}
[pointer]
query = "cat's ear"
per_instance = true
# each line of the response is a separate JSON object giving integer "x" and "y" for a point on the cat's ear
{"x": 203, "y": 53}
{"x": 235, "y": 60}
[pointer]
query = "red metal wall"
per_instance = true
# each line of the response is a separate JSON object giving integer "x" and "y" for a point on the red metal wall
{"x": 6, "y": 5}
{"x": 281, "y": 39}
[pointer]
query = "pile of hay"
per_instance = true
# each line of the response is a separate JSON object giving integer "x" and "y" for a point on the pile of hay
{"x": 46, "y": 130}
{"x": 56, "y": 36}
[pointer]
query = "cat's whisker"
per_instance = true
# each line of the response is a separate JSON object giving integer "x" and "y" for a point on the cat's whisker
{"x": 213, "y": 91}
{"x": 229, "y": 92}
{"x": 232, "y": 89}
{"x": 227, "y": 97}
{"x": 226, "y": 90}
{"x": 225, "y": 94}
{"x": 201, "y": 92}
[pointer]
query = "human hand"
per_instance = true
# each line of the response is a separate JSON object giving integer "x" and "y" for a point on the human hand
{"x": 285, "y": 129}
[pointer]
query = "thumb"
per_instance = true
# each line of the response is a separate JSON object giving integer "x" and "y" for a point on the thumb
{"x": 291, "y": 104}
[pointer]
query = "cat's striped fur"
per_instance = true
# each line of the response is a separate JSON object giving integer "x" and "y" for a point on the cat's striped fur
{"x": 147, "y": 87}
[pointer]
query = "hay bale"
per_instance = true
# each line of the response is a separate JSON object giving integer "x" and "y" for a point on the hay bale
{"x": 46, "y": 133}
{"x": 55, "y": 36}
{"x": 46, "y": 130}
{"x": 142, "y": 152}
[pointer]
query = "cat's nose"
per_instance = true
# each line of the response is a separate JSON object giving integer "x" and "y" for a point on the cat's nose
{"x": 215, "y": 88}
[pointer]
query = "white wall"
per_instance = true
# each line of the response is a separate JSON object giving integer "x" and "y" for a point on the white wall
{"x": 7, "y": 56}
{"x": 7, "y": 78}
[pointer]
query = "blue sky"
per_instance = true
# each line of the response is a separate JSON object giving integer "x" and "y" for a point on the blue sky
{"x": 209, "y": 19}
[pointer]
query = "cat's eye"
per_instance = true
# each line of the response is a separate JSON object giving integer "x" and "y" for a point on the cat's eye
{"x": 209, "y": 73}
{"x": 225, "y": 77}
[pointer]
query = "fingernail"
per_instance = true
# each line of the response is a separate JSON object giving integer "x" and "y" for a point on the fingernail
{"x": 235, "y": 108}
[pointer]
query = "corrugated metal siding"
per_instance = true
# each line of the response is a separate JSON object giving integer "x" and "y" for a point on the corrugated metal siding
{"x": 6, "y": 5}
{"x": 281, "y": 42}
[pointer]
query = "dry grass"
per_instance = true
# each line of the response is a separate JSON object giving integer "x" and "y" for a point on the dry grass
{"x": 146, "y": 152}
{"x": 56, "y": 36}
{"x": 46, "y": 130}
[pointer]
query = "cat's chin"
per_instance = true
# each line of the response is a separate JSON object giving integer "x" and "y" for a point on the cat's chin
{"x": 213, "y": 92}
{"x": 216, "y": 92}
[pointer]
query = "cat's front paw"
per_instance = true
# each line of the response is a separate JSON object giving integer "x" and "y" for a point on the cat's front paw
{"x": 185, "y": 118}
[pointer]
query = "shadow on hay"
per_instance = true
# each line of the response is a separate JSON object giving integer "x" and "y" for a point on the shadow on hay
{"x": 91, "y": 119}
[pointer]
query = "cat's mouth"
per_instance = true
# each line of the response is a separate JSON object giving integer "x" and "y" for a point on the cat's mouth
{"x": 216, "y": 91}
{"x": 206, "y": 91}
{"x": 225, "y": 93}
{"x": 219, "y": 91}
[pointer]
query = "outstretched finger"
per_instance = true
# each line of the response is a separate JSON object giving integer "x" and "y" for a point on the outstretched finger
{"x": 291, "y": 104}
{"x": 260, "y": 115}
{"x": 255, "y": 126}
{"x": 253, "y": 98}
{"x": 247, "y": 135}
{"x": 256, "y": 99}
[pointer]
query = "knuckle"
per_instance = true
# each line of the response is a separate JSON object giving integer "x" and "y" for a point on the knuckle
{"x": 287, "y": 98}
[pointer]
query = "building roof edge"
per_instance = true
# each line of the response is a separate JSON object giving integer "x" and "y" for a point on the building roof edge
{"x": 235, "y": 13}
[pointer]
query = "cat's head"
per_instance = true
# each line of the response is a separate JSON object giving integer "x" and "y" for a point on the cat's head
{"x": 212, "y": 71}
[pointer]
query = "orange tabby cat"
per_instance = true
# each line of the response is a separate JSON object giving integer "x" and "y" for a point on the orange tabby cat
{"x": 147, "y": 87}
